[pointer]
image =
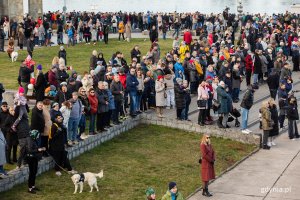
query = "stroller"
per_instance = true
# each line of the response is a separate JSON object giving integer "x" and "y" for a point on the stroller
{"x": 234, "y": 115}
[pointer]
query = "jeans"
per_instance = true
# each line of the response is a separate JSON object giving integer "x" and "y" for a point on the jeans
{"x": 185, "y": 111}
{"x": 245, "y": 114}
{"x": 176, "y": 32}
{"x": 293, "y": 129}
{"x": 73, "y": 128}
{"x": 265, "y": 137}
{"x": 133, "y": 101}
{"x": 255, "y": 78}
{"x": 225, "y": 119}
{"x": 82, "y": 124}
{"x": 164, "y": 36}
{"x": 235, "y": 93}
{"x": 170, "y": 97}
{"x": 70, "y": 41}
{"x": 60, "y": 38}
{"x": 92, "y": 123}
{"x": 138, "y": 100}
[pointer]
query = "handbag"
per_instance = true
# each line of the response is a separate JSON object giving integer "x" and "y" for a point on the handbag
{"x": 201, "y": 103}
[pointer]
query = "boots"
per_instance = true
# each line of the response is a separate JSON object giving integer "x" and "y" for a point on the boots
{"x": 206, "y": 193}
{"x": 219, "y": 122}
{"x": 158, "y": 112}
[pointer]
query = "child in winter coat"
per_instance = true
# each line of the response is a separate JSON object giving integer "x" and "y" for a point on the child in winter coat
{"x": 20, "y": 100}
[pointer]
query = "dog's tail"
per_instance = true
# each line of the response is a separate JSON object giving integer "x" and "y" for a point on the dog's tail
{"x": 100, "y": 175}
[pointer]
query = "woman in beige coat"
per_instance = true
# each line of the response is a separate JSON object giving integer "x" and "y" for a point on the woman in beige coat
{"x": 267, "y": 123}
{"x": 48, "y": 124}
{"x": 160, "y": 89}
{"x": 128, "y": 31}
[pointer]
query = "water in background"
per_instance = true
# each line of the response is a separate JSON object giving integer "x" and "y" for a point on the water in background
{"x": 205, "y": 6}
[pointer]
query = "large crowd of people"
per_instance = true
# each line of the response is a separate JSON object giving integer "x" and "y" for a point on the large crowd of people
{"x": 211, "y": 64}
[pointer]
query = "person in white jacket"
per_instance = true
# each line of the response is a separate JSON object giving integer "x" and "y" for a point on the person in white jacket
{"x": 66, "y": 111}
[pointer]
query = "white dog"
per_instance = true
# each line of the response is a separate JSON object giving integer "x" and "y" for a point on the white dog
{"x": 14, "y": 56}
{"x": 90, "y": 178}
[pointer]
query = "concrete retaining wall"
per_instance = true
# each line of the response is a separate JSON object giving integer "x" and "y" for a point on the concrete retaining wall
{"x": 19, "y": 176}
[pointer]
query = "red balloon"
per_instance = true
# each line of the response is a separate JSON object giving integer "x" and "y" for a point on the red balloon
{"x": 32, "y": 81}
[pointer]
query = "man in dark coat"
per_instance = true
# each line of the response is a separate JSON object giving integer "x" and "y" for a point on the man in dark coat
{"x": 117, "y": 91}
{"x": 37, "y": 118}
{"x": 273, "y": 83}
{"x": 30, "y": 46}
{"x": 246, "y": 104}
{"x": 24, "y": 76}
{"x": 225, "y": 105}
{"x": 63, "y": 54}
{"x": 40, "y": 85}
{"x": 102, "y": 106}
{"x": 153, "y": 34}
{"x": 131, "y": 86}
{"x": 62, "y": 75}
{"x": 3, "y": 115}
{"x": 179, "y": 97}
{"x": 63, "y": 94}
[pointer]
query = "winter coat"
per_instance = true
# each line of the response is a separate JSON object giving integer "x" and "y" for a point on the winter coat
{"x": 37, "y": 120}
{"x": 285, "y": 72}
{"x": 66, "y": 115}
{"x": 116, "y": 88}
{"x": 2, "y": 149}
{"x": 121, "y": 27}
{"x": 48, "y": 122}
{"x": 63, "y": 54}
{"x": 179, "y": 96}
{"x": 52, "y": 78}
{"x": 236, "y": 79}
{"x": 93, "y": 100}
{"x": 85, "y": 102}
{"x": 111, "y": 100}
{"x": 57, "y": 137}
{"x": 257, "y": 65}
{"x": 224, "y": 99}
{"x": 248, "y": 99}
{"x": 24, "y": 74}
{"x": 3, "y": 116}
{"x": 202, "y": 95}
{"x": 23, "y": 127}
{"x": 62, "y": 76}
{"x": 62, "y": 97}
{"x": 11, "y": 136}
{"x": 102, "y": 99}
{"x": 192, "y": 72}
{"x": 136, "y": 54}
{"x": 168, "y": 196}
{"x": 292, "y": 112}
{"x": 128, "y": 31}
{"x": 207, "y": 164}
{"x": 87, "y": 83}
{"x": 274, "y": 117}
{"x": 187, "y": 37}
{"x": 160, "y": 93}
{"x": 93, "y": 62}
{"x": 266, "y": 119}
{"x": 273, "y": 80}
{"x": 169, "y": 80}
{"x": 40, "y": 87}
{"x": 131, "y": 83}
{"x": 249, "y": 63}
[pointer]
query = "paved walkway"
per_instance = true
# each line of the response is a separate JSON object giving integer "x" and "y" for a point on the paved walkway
{"x": 277, "y": 169}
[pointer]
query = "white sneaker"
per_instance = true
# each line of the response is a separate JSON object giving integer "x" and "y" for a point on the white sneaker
{"x": 245, "y": 131}
{"x": 248, "y": 130}
{"x": 273, "y": 143}
{"x": 269, "y": 144}
{"x": 58, "y": 173}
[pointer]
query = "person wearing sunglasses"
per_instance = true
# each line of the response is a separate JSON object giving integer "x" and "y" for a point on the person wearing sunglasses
{"x": 207, "y": 164}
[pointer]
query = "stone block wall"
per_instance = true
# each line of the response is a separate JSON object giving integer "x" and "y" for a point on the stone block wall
{"x": 19, "y": 176}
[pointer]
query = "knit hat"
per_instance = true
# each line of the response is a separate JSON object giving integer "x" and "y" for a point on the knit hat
{"x": 149, "y": 192}
{"x": 52, "y": 88}
{"x": 21, "y": 90}
{"x": 39, "y": 67}
{"x": 222, "y": 58}
{"x": 54, "y": 104}
{"x": 172, "y": 185}
{"x": 159, "y": 77}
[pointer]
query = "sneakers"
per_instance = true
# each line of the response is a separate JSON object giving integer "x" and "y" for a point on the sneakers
{"x": 273, "y": 143}
{"x": 58, "y": 173}
{"x": 31, "y": 190}
{"x": 72, "y": 172}
{"x": 249, "y": 130}
{"x": 245, "y": 131}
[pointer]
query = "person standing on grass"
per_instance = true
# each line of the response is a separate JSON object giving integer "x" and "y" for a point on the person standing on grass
{"x": 121, "y": 30}
{"x": 150, "y": 194}
{"x": 172, "y": 193}
{"x": 246, "y": 104}
{"x": 30, "y": 46}
{"x": 207, "y": 165}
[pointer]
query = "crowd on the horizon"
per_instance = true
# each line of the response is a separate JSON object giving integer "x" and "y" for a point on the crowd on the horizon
{"x": 212, "y": 64}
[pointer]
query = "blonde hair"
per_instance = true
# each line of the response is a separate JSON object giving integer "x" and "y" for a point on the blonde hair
{"x": 272, "y": 101}
{"x": 61, "y": 61}
{"x": 265, "y": 104}
{"x": 95, "y": 53}
{"x": 55, "y": 60}
{"x": 203, "y": 140}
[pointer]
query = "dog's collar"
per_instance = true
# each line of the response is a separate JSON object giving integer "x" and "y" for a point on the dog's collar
{"x": 81, "y": 178}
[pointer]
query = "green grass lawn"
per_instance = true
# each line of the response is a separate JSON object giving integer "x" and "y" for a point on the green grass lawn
{"x": 77, "y": 56}
{"x": 145, "y": 156}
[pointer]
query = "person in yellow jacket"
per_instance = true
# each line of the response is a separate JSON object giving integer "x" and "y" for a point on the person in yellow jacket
{"x": 182, "y": 49}
{"x": 121, "y": 30}
{"x": 172, "y": 193}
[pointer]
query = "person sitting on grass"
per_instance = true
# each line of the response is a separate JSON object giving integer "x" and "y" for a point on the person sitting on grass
{"x": 172, "y": 193}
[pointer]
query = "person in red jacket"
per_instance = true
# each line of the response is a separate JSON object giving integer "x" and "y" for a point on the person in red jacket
{"x": 52, "y": 79}
{"x": 93, "y": 100}
{"x": 248, "y": 67}
{"x": 207, "y": 164}
{"x": 187, "y": 37}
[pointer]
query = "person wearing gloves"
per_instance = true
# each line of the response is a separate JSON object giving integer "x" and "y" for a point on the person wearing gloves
{"x": 172, "y": 193}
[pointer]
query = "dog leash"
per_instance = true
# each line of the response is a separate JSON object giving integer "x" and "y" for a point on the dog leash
{"x": 57, "y": 164}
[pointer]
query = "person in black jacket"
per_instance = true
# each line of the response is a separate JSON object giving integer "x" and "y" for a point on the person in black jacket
{"x": 62, "y": 54}
{"x": 37, "y": 118}
{"x": 62, "y": 75}
{"x": 3, "y": 115}
{"x": 274, "y": 116}
{"x": 11, "y": 136}
{"x": 57, "y": 145}
{"x": 117, "y": 91}
{"x": 2, "y": 36}
{"x": 246, "y": 104}
{"x": 63, "y": 94}
{"x": 40, "y": 85}
{"x": 273, "y": 83}
{"x": 2, "y": 90}
{"x": 30, "y": 46}
{"x": 153, "y": 34}
{"x": 293, "y": 116}
{"x": 24, "y": 76}
{"x": 136, "y": 53}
